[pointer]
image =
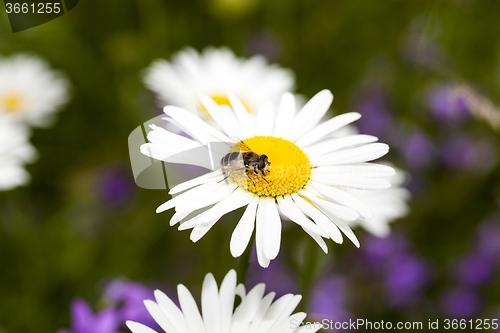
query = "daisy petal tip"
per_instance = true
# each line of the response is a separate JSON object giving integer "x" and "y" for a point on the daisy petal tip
{"x": 235, "y": 252}
{"x": 203, "y": 96}
{"x": 160, "y": 209}
{"x": 231, "y": 96}
{"x": 159, "y": 294}
{"x": 356, "y": 243}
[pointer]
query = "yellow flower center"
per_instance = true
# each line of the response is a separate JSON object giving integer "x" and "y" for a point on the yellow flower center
{"x": 11, "y": 103}
{"x": 288, "y": 172}
{"x": 221, "y": 100}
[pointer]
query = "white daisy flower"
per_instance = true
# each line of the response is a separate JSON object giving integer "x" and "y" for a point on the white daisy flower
{"x": 30, "y": 92}
{"x": 216, "y": 71}
{"x": 306, "y": 180}
{"x": 15, "y": 150}
{"x": 255, "y": 313}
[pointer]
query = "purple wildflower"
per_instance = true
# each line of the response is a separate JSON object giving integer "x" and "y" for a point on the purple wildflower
{"x": 85, "y": 321}
{"x": 461, "y": 303}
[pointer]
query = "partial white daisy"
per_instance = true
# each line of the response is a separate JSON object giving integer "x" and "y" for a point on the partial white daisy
{"x": 388, "y": 205}
{"x": 306, "y": 180}
{"x": 255, "y": 312}
{"x": 30, "y": 91}
{"x": 15, "y": 151}
{"x": 216, "y": 71}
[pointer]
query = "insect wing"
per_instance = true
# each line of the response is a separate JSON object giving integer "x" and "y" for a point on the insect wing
{"x": 238, "y": 144}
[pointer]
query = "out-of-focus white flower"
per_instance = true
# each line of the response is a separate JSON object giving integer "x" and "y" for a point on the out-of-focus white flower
{"x": 307, "y": 180}
{"x": 15, "y": 151}
{"x": 387, "y": 205}
{"x": 30, "y": 91}
{"x": 255, "y": 313}
{"x": 216, "y": 71}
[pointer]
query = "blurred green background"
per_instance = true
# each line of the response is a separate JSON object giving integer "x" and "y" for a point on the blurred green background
{"x": 59, "y": 237}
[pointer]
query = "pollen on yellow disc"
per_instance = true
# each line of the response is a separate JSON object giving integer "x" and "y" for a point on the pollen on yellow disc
{"x": 11, "y": 103}
{"x": 288, "y": 173}
{"x": 221, "y": 100}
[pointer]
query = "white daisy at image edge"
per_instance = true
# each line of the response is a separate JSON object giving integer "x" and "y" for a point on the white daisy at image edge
{"x": 15, "y": 151}
{"x": 309, "y": 178}
{"x": 216, "y": 71}
{"x": 255, "y": 313}
{"x": 30, "y": 91}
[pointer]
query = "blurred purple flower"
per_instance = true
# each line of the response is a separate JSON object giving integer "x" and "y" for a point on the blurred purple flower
{"x": 418, "y": 150}
{"x": 115, "y": 186}
{"x": 85, "y": 321}
{"x": 405, "y": 274}
{"x": 447, "y": 105}
{"x": 488, "y": 238}
{"x": 469, "y": 154}
{"x": 328, "y": 300}
{"x": 475, "y": 269}
{"x": 264, "y": 43}
{"x": 374, "y": 107}
{"x": 277, "y": 277}
{"x": 461, "y": 303}
{"x": 127, "y": 299}
{"x": 378, "y": 251}
{"x": 406, "y": 278}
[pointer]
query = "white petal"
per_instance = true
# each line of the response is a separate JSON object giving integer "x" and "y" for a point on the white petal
{"x": 309, "y": 328}
{"x": 340, "y": 211}
{"x": 210, "y": 304}
{"x": 226, "y": 297}
{"x": 321, "y": 220}
{"x": 242, "y": 115}
{"x": 189, "y": 195}
{"x": 317, "y": 238}
{"x": 327, "y": 146}
{"x": 265, "y": 119}
{"x": 342, "y": 197}
{"x": 138, "y": 327}
{"x": 287, "y": 311}
{"x": 158, "y": 315}
{"x": 274, "y": 312}
{"x": 171, "y": 140}
{"x": 326, "y": 128}
{"x": 194, "y": 126}
{"x": 285, "y": 115}
{"x": 332, "y": 213}
{"x": 208, "y": 177}
{"x": 190, "y": 310}
{"x": 249, "y": 306}
{"x": 268, "y": 213}
{"x": 265, "y": 303}
{"x": 287, "y": 325}
{"x": 365, "y": 170}
{"x": 171, "y": 311}
{"x": 237, "y": 199}
{"x": 243, "y": 231}
{"x": 217, "y": 115}
{"x": 290, "y": 210}
{"x": 259, "y": 238}
{"x": 228, "y": 113}
{"x": 350, "y": 181}
{"x": 310, "y": 114}
{"x": 353, "y": 155}
{"x": 201, "y": 201}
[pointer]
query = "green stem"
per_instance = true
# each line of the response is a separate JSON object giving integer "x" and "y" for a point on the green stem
{"x": 309, "y": 269}
{"x": 244, "y": 261}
